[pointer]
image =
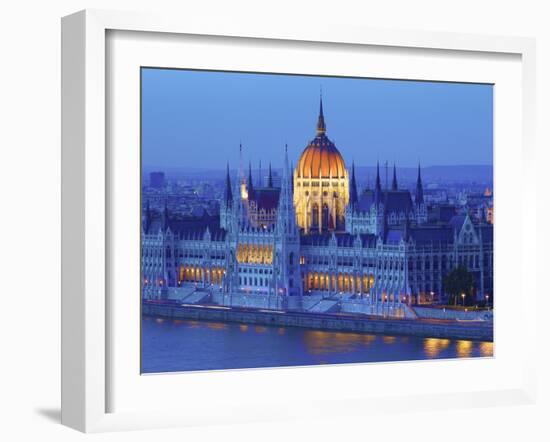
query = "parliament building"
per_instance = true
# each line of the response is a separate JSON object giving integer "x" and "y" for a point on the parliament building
{"x": 316, "y": 242}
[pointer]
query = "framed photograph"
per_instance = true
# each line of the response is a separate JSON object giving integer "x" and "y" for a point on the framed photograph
{"x": 266, "y": 221}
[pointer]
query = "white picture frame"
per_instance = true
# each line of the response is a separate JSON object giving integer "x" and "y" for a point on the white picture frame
{"x": 86, "y": 203}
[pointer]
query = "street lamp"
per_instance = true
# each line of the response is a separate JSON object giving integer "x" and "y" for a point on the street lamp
{"x": 487, "y": 301}
{"x": 463, "y": 299}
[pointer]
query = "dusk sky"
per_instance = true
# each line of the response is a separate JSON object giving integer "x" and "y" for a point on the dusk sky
{"x": 197, "y": 119}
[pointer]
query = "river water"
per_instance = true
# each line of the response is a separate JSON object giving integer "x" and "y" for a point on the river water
{"x": 185, "y": 345}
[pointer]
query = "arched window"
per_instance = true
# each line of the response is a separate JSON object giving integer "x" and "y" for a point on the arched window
{"x": 315, "y": 215}
{"x": 291, "y": 258}
{"x": 325, "y": 217}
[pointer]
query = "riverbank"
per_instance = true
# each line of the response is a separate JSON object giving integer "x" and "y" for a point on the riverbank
{"x": 475, "y": 331}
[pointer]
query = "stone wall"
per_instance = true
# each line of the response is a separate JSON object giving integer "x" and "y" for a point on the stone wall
{"x": 481, "y": 331}
{"x": 386, "y": 310}
{"x": 445, "y": 313}
{"x": 249, "y": 300}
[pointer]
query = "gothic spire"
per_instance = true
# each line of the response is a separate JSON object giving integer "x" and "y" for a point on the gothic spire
{"x": 394, "y": 181}
{"x": 260, "y": 174}
{"x": 250, "y": 185}
{"x": 285, "y": 211}
{"x": 291, "y": 179}
{"x": 321, "y": 127}
{"x": 241, "y": 168}
{"x": 419, "y": 188}
{"x": 270, "y": 178}
{"x": 378, "y": 186}
{"x": 353, "y": 186}
{"x": 228, "y": 194}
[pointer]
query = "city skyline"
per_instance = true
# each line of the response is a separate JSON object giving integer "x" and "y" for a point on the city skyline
{"x": 187, "y": 113}
{"x": 316, "y": 240}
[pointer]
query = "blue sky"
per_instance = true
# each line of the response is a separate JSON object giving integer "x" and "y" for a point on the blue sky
{"x": 197, "y": 119}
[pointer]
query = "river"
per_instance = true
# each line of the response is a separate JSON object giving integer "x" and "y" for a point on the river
{"x": 186, "y": 345}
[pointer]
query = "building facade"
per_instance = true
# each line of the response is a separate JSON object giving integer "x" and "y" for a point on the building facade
{"x": 315, "y": 235}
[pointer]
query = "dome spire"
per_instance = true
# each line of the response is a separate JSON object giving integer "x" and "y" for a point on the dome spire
{"x": 321, "y": 127}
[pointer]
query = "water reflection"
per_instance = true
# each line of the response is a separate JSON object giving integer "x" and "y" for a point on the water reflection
{"x": 464, "y": 349}
{"x": 216, "y": 325}
{"x": 367, "y": 339}
{"x": 320, "y": 342}
{"x": 181, "y": 345}
{"x": 486, "y": 349}
{"x": 433, "y": 346}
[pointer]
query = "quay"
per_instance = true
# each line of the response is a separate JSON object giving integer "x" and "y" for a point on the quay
{"x": 345, "y": 322}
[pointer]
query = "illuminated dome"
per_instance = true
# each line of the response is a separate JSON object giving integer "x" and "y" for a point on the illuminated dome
{"x": 321, "y": 158}
{"x": 321, "y": 187}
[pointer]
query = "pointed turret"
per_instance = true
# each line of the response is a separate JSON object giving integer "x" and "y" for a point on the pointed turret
{"x": 353, "y": 187}
{"x": 394, "y": 180}
{"x": 377, "y": 186}
{"x": 241, "y": 166}
{"x": 291, "y": 180}
{"x": 270, "y": 178}
{"x": 419, "y": 188}
{"x": 260, "y": 174}
{"x": 228, "y": 194}
{"x": 250, "y": 185}
{"x": 287, "y": 264}
{"x": 285, "y": 212}
{"x": 321, "y": 127}
{"x": 385, "y": 218}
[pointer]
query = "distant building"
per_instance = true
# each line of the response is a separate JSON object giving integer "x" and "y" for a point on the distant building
{"x": 317, "y": 235}
{"x": 157, "y": 180}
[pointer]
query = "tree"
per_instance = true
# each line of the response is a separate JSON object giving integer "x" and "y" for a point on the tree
{"x": 457, "y": 282}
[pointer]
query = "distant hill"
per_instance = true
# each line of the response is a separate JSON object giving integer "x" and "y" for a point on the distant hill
{"x": 434, "y": 174}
